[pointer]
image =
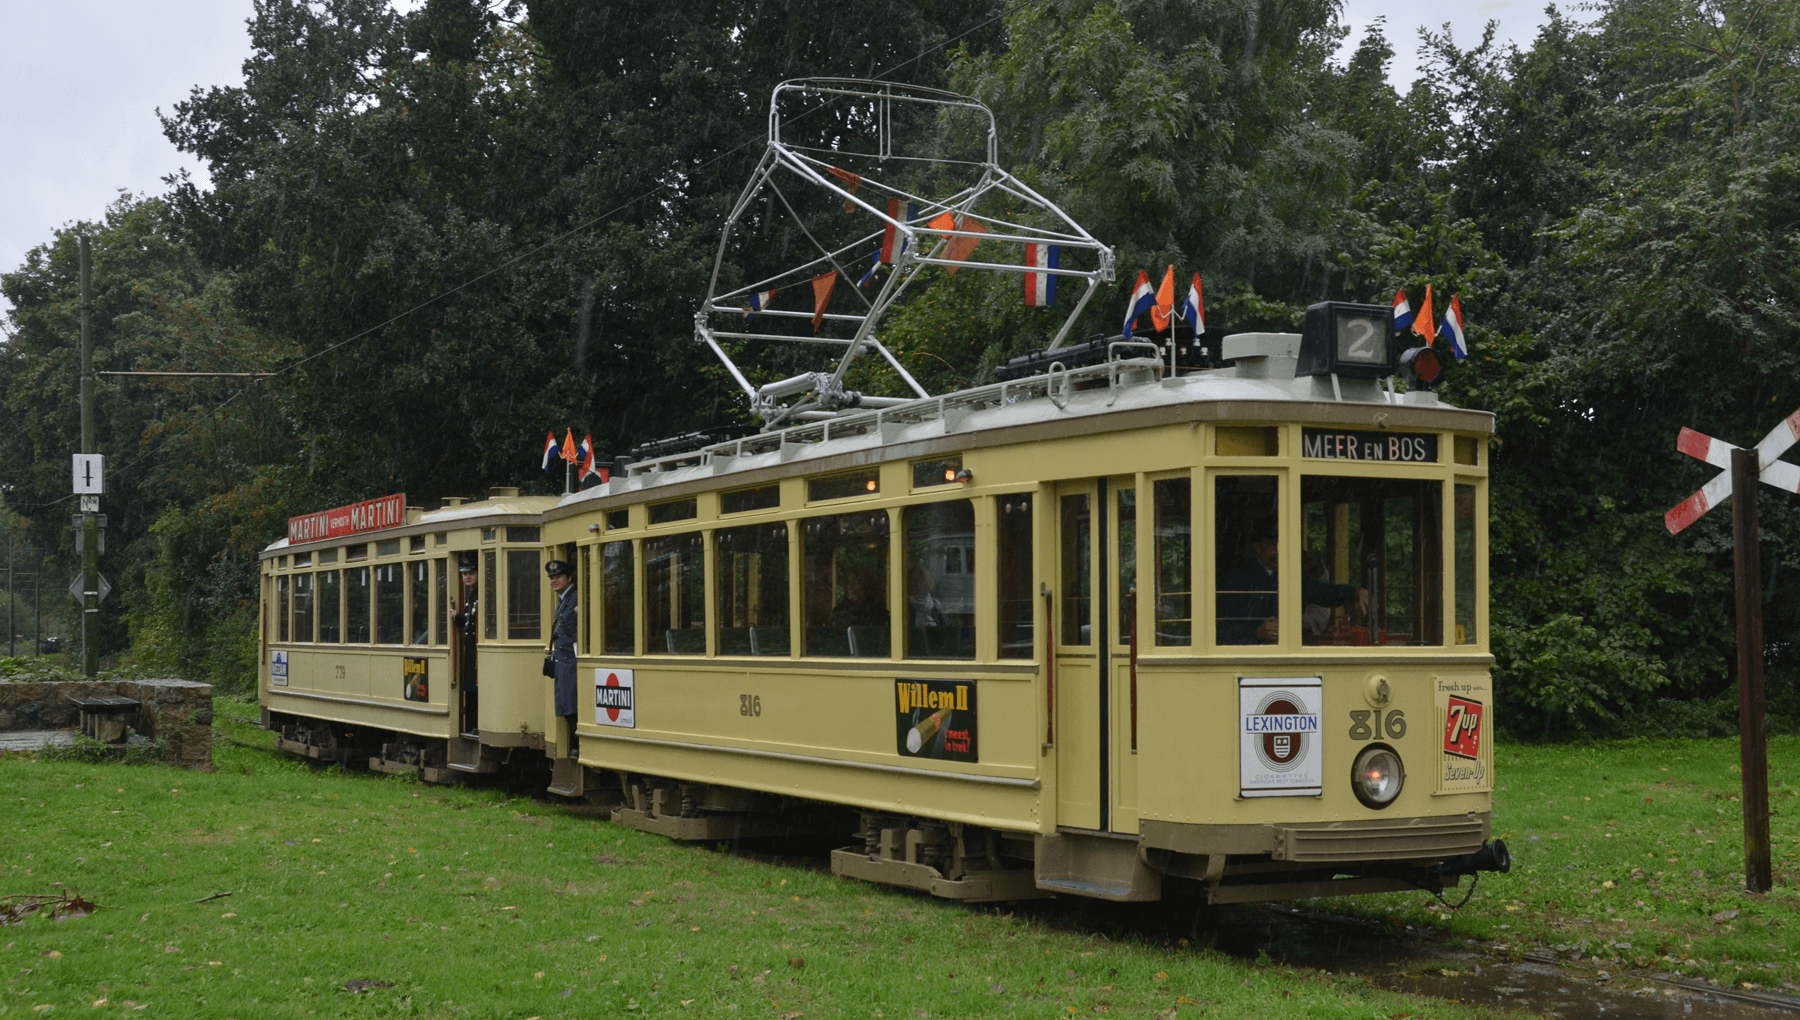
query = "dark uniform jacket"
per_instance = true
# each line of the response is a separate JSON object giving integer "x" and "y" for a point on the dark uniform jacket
{"x": 562, "y": 651}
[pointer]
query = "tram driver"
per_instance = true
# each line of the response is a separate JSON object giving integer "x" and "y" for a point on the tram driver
{"x": 1248, "y": 599}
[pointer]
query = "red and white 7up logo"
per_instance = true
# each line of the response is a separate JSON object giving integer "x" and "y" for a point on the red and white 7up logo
{"x": 1462, "y": 728}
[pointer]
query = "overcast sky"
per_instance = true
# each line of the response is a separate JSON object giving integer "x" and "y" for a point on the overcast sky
{"x": 81, "y": 80}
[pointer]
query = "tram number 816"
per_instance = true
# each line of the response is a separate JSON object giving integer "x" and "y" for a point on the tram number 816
{"x": 750, "y": 704}
{"x": 1394, "y": 724}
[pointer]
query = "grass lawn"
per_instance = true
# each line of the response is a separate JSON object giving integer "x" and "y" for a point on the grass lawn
{"x": 1631, "y": 855}
{"x": 470, "y": 904}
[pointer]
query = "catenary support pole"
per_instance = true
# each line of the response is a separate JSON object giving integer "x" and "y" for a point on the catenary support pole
{"x": 1753, "y": 752}
{"x": 90, "y": 537}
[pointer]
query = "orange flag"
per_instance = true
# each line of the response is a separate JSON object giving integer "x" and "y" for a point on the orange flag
{"x": 568, "y": 449}
{"x": 851, "y": 180}
{"x": 1424, "y": 325}
{"x": 822, "y": 296}
{"x": 1165, "y": 301}
{"x": 959, "y": 248}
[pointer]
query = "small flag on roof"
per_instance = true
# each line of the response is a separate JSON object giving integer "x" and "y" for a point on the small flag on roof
{"x": 893, "y": 243}
{"x": 1403, "y": 313}
{"x": 1040, "y": 287}
{"x": 549, "y": 449}
{"x": 1142, "y": 297}
{"x": 1164, "y": 309}
{"x": 1423, "y": 325}
{"x": 874, "y": 264}
{"x": 1453, "y": 328}
{"x": 821, "y": 286}
{"x": 1193, "y": 307}
{"x": 584, "y": 456}
{"x": 759, "y": 301}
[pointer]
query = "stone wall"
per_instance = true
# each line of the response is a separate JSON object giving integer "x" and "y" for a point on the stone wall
{"x": 178, "y": 712}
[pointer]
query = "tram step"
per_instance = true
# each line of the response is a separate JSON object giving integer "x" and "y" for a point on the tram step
{"x": 464, "y": 755}
{"x": 701, "y": 827}
{"x": 973, "y": 887}
{"x": 1100, "y": 865}
{"x": 311, "y": 751}
{"x": 567, "y": 777}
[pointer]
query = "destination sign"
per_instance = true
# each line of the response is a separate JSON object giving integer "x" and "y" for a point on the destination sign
{"x": 369, "y": 515}
{"x": 1343, "y": 444}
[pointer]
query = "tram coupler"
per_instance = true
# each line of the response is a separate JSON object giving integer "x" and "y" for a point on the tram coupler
{"x": 1491, "y": 857}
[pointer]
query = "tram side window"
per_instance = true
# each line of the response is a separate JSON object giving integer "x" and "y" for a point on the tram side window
{"x": 751, "y": 572}
{"x": 420, "y": 602}
{"x": 940, "y": 580}
{"x": 1465, "y": 563}
{"x": 1372, "y": 569}
{"x": 1013, "y": 534}
{"x": 675, "y": 594}
{"x": 1246, "y": 527}
{"x": 356, "y": 606}
{"x": 440, "y": 594}
{"x": 303, "y": 607}
{"x": 619, "y": 612}
{"x": 390, "y": 605}
{"x": 524, "y": 595}
{"x": 1127, "y": 557}
{"x": 330, "y": 607}
{"x": 584, "y": 602}
{"x": 281, "y": 609}
{"x": 1174, "y": 562}
{"x": 1077, "y": 533}
{"x": 490, "y": 596}
{"x": 846, "y": 565}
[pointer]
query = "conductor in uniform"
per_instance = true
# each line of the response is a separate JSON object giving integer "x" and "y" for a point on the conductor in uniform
{"x": 464, "y": 619}
{"x": 562, "y": 643}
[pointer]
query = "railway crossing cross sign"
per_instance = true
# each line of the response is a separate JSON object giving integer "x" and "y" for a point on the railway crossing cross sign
{"x": 1742, "y": 470}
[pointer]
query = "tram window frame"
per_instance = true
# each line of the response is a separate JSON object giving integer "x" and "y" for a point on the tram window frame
{"x": 415, "y": 544}
{"x": 750, "y": 586}
{"x": 303, "y": 596}
{"x": 387, "y": 547}
{"x": 1075, "y": 568}
{"x": 281, "y": 608}
{"x": 440, "y": 538}
{"x": 1015, "y": 600}
{"x": 330, "y": 605}
{"x": 824, "y": 612}
{"x": 523, "y": 533}
{"x": 303, "y": 559}
{"x": 328, "y": 556}
{"x": 1409, "y": 511}
{"x": 1236, "y": 532}
{"x": 1466, "y": 538}
{"x": 440, "y": 593}
{"x": 356, "y": 624}
{"x": 940, "y": 580}
{"x": 583, "y": 600}
{"x": 490, "y": 595}
{"x": 675, "y": 594}
{"x": 359, "y": 551}
{"x": 934, "y": 472}
{"x": 489, "y": 534}
{"x": 618, "y": 520}
{"x": 418, "y": 602}
{"x": 743, "y": 501}
{"x": 859, "y": 484}
{"x": 389, "y": 603}
{"x": 674, "y": 511}
{"x": 1125, "y": 528}
{"x": 1172, "y": 526}
{"x": 618, "y": 604}
{"x": 524, "y": 595}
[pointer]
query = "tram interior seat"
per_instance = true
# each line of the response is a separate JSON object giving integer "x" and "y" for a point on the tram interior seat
{"x": 685, "y": 640}
{"x": 735, "y": 641}
{"x": 827, "y": 641}
{"x": 867, "y": 642}
{"x": 769, "y": 641}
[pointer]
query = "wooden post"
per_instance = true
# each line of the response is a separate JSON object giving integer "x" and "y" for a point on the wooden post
{"x": 1753, "y": 752}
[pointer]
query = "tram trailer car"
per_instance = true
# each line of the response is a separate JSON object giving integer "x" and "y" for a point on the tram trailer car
{"x": 1091, "y": 632}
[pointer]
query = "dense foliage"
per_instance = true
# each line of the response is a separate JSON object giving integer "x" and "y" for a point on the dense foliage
{"x": 453, "y": 229}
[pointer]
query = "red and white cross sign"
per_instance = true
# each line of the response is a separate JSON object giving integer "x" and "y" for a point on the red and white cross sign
{"x": 1770, "y": 468}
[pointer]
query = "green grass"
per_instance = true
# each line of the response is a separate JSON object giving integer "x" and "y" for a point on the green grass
{"x": 472, "y": 904}
{"x": 1631, "y": 855}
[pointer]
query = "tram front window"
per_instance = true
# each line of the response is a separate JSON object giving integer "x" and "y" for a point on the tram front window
{"x": 1372, "y": 565}
{"x": 1246, "y": 556}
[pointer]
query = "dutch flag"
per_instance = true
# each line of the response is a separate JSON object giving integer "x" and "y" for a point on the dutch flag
{"x": 585, "y": 456}
{"x": 1453, "y": 328}
{"x": 894, "y": 243}
{"x": 1143, "y": 298}
{"x": 874, "y": 264}
{"x": 1040, "y": 287}
{"x": 550, "y": 449}
{"x": 1193, "y": 308}
{"x": 758, "y": 302}
{"x": 1403, "y": 313}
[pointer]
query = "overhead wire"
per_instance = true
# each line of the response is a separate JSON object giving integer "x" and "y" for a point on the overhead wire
{"x": 535, "y": 250}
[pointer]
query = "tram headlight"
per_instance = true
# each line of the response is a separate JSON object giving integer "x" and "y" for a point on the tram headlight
{"x": 1377, "y": 776}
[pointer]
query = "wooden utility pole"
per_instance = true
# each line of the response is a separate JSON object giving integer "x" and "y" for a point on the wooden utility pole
{"x": 1753, "y": 747}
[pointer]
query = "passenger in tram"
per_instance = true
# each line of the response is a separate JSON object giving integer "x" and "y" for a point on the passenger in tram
{"x": 562, "y": 643}
{"x": 1248, "y": 601}
{"x": 464, "y": 618}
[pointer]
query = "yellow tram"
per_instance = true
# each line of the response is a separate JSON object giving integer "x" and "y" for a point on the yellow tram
{"x": 1108, "y": 623}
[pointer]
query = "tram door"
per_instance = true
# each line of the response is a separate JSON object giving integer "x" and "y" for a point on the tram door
{"x": 1096, "y": 783}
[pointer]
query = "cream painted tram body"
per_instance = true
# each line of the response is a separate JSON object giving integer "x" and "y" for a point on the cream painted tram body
{"x": 1001, "y": 627}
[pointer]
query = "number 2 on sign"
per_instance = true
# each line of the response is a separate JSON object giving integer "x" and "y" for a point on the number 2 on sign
{"x": 1362, "y": 339}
